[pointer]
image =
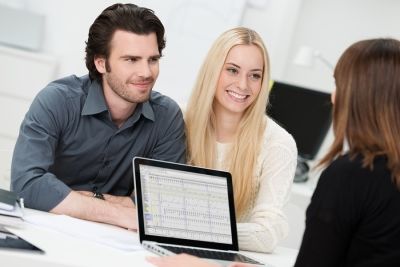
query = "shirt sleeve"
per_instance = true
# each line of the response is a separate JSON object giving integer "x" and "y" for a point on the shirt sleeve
{"x": 268, "y": 224}
{"x": 326, "y": 238}
{"x": 171, "y": 144}
{"x": 34, "y": 153}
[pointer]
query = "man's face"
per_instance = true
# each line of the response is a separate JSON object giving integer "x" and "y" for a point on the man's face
{"x": 132, "y": 68}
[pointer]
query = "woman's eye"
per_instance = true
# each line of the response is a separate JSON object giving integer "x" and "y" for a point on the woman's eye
{"x": 255, "y": 76}
{"x": 232, "y": 70}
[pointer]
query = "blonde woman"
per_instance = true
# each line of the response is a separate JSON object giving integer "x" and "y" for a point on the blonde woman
{"x": 227, "y": 129}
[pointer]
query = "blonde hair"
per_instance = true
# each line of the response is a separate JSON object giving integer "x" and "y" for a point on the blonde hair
{"x": 366, "y": 112}
{"x": 201, "y": 123}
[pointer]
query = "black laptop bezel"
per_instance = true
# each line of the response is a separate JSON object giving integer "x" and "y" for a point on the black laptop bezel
{"x": 179, "y": 241}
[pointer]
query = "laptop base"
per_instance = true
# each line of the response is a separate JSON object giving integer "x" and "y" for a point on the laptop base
{"x": 225, "y": 257}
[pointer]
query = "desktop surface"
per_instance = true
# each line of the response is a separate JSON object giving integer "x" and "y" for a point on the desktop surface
{"x": 62, "y": 249}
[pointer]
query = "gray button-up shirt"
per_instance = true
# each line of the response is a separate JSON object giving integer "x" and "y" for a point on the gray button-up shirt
{"x": 68, "y": 141}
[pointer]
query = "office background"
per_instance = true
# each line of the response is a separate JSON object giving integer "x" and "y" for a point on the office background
{"x": 41, "y": 40}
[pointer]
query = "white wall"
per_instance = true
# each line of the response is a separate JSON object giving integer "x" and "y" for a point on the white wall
{"x": 276, "y": 22}
{"x": 330, "y": 27}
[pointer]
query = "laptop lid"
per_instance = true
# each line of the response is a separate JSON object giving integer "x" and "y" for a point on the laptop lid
{"x": 184, "y": 205}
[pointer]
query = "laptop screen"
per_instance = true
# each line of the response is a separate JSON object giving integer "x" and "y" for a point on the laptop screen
{"x": 184, "y": 205}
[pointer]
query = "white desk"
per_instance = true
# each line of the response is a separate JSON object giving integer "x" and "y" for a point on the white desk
{"x": 63, "y": 250}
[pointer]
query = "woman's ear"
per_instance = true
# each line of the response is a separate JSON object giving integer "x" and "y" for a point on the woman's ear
{"x": 333, "y": 96}
{"x": 100, "y": 63}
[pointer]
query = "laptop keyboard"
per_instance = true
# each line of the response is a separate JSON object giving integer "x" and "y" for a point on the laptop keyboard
{"x": 210, "y": 254}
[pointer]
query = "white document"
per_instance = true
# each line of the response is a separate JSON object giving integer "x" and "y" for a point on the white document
{"x": 104, "y": 234}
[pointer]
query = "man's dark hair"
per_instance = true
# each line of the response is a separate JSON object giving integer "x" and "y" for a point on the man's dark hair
{"x": 126, "y": 17}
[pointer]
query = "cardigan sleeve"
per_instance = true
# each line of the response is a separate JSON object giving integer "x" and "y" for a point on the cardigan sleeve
{"x": 267, "y": 224}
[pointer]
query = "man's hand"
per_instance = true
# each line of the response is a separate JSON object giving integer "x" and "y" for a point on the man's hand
{"x": 119, "y": 211}
{"x": 124, "y": 201}
{"x": 240, "y": 264}
{"x": 181, "y": 260}
{"x": 127, "y": 218}
{"x": 184, "y": 260}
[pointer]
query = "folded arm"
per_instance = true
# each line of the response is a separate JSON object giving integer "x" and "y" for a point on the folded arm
{"x": 119, "y": 211}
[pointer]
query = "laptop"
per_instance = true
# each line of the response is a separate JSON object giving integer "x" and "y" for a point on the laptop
{"x": 186, "y": 209}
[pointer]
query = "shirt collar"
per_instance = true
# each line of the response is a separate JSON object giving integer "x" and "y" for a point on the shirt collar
{"x": 148, "y": 111}
{"x": 95, "y": 102}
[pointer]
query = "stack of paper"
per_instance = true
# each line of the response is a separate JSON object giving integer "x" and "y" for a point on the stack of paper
{"x": 104, "y": 234}
{"x": 9, "y": 204}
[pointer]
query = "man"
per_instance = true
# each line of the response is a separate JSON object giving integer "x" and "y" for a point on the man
{"x": 75, "y": 147}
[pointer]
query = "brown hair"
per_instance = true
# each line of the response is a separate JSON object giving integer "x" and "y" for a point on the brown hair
{"x": 126, "y": 17}
{"x": 366, "y": 112}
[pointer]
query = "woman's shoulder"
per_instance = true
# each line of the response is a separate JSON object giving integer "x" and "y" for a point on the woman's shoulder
{"x": 354, "y": 164}
{"x": 351, "y": 170}
{"x": 277, "y": 143}
{"x": 274, "y": 134}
